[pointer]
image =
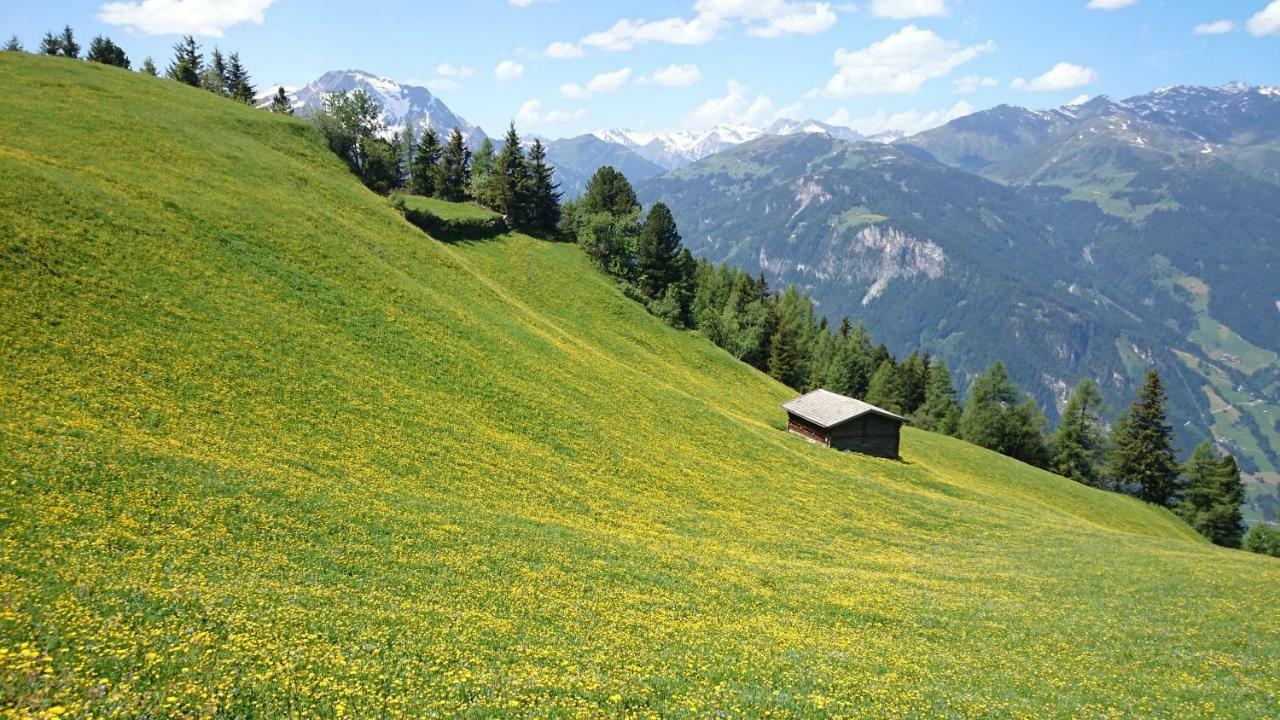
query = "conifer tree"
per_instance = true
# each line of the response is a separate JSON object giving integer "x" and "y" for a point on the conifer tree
{"x": 483, "y": 181}
{"x": 782, "y": 356}
{"x": 851, "y": 370}
{"x": 1211, "y": 498}
{"x": 455, "y": 168}
{"x": 67, "y": 45}
{"x": 1080, "y": 440}
{"x": 236, "y": 80}
{"x": 657, "y": 247}
{"x": 12, "y": 45}
{"x": 1142, "y": 453}
{"x": 102, "y": 50}
{"x": 512, "y": 180}
{"x": 544, "y": 193}
{"x": 214, "y": 77}
{"x": 424, "y": 176}
{"x": 608, "y": 191}
{"x": 149, "y": 67}
{"x": 886, "y": 389}
{"x": 187, "y": 64}
{"x": 50, "y": 44}
{"x": 280, "y": 102}
{"x": 1264, "y": 539}
{"x": 999, "y": 417}
{"x": 915, "y": 375}
{"x": 940, "y": 411}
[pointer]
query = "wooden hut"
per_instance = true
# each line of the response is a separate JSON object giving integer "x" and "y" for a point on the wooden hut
{"x": 844, "y": 423}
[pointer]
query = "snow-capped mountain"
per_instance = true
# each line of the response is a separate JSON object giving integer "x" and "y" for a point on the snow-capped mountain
{"x": 402, "y": 104}
{"x": 681, "y": 147}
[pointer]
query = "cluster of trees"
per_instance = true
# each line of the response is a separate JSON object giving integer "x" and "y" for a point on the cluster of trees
{"x": 223, "y": 75}
{"x": 517, "y": 184}
{"x": 778, "y": 333}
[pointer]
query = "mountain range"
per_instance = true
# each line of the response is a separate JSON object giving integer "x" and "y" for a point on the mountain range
{"x": 1090, "y": 240}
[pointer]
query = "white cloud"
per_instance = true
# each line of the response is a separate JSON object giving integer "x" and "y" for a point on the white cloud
{"x": 900, "y": 63}
{"x": 450, "y": 70}
{"x": 1109, "y": 4}
{"x": 561, "y": 50}
{"x": 674, "y": 76}
{"x": 195, "y": 17}
{"x": 602, "y": 83}
{"x": 525, "y": 3}
{"x": 1079, "y": 100}
{"x": 1062, "y": 76}
{"x": 907, "y": 122}
{"x": 734, "y": 108}
{"x": 508, "y": 70}
{"x": 763, "y": 18}
{"x": 904, "y": 9}
{"x": 1266, "y": 21}
{"x": 1217, "y": 27}
{"x": 531, "y": 113}
{"x": 971, "y": 83}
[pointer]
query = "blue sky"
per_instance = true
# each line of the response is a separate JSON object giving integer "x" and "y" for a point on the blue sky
{"x": 562, "y": 67}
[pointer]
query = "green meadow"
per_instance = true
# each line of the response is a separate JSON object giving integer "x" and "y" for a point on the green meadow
{"x": 267, "y": 450}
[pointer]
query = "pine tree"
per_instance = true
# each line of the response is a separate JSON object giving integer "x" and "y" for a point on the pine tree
{"x": 915, "y": 375}
{"x": 424, "y": 176}
{"x": 999, "y": 417}
{"x": 1211, "y": 498}
{"x": 1080, "y": 440}
{"x": 782, "y": 356}
{"x": 102, "y": 50}
{"x": 1142, "y": 454}
{"x": 455, "y": 168}
{"x": 544, "y": 193}
{"x": 608, "y": 191}
{"x": 187, "y": 64}
{"x": 940, "y": 411}
{"x": 67, "y": 45}
{"x": 149, "y": 67}
{"x": 50, "y": 44}
{"x": 657, "y": 247}
{"x": 214, "y": 78}
{"x": 851, "y": 368}
{"x": 482, "y": 184}
{"x": 280, "y": 102}
{"x": 12, "y": 45}
{"x": 886, "y": 389}
{"x": 236, "y": 81}
{"x": 513, "y": 181}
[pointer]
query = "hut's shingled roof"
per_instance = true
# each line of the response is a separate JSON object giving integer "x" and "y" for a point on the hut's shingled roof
{"x": 827, "y": 409}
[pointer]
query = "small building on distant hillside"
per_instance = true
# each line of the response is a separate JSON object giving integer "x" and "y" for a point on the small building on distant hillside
{"x": 844, "y": 423}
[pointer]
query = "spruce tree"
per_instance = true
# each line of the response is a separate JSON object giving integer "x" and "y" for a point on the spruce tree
{"x": 1080, "y": 440}
{"x": 657, "y": 247}
{"x": 1211, "y": 498}
{"x": 886, "y": 389}
{"x": 915, "y": 375}
{"x": 67, "y": 45}
{"x": 102, "y": 50}
{"x": 999, "y": 417}
{"x": 187, "y": 64}
{"x": 236, "y": 81}
{"x": 424, "y": 176}
{"x": 149, "y": 67}
{"x": 782, "y": 356}
{"x": 455, "y": 168}
{"x": 280, "y": 102}
{"x": 214, "y": 78}
{"x": 50, "y": 44}
{"x": 12, "y": 45}
{"x": 1142, "y": 453}
{"x": 513, "y": 180}
{"x": 940, "y": 411}
{"x": 608, "y": 191}
{"x": 483, "y": 181}
{"x": 544, "y": 193}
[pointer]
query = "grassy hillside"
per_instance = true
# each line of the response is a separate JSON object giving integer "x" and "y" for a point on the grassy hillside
{"x": 267, "y": 450}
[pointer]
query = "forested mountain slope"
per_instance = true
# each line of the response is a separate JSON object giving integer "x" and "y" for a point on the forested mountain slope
{"x": 1087, "y": 241}
{"x": 268, "y": 450}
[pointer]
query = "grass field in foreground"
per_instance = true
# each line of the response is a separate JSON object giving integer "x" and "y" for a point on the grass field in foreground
{"x": 267, "y": 450}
